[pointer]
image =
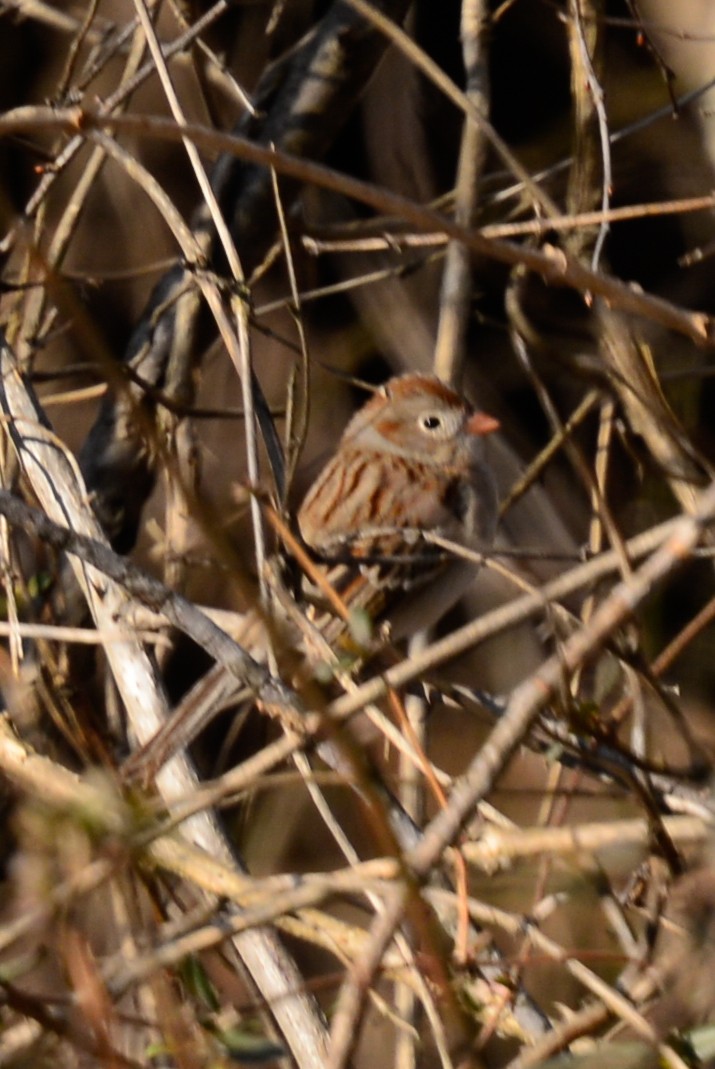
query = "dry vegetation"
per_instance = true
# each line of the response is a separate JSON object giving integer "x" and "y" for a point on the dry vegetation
{"x": 189, "y": 191}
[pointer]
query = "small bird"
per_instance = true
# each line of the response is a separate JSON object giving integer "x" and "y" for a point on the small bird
{"x": 410, "y": 465}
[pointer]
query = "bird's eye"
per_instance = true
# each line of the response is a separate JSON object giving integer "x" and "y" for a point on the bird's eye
{"x": 430, "y": 422}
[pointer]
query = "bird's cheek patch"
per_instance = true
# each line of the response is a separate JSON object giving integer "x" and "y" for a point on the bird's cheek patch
{"x": 388, "y": 428}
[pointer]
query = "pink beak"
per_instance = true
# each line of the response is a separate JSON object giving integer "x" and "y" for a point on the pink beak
{"x": 480, "y": 424}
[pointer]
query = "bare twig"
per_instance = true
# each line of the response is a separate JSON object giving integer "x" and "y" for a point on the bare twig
{"x": 58, "y": 485}
{"x": 456, "y": 280}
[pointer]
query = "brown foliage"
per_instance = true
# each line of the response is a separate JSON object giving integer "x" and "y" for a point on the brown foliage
{"x": 200, "y": 268}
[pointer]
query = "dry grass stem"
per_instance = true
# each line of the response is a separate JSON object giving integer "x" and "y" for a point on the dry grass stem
{"x": 232, "y": 832}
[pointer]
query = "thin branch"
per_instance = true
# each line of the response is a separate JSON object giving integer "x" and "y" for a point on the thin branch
{"x": 58, "y": 485}
{"x": 555, "y": 266}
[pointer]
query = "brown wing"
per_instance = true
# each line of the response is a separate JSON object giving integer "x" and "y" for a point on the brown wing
{"x": 360, "y": 491}
{"x": 368, "y": 575}
{"x": 389, "y": 501}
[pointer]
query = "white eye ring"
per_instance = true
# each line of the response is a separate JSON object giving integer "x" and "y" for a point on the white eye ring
{"x": 430, "y": 422}
{"x": 439, "y": 424}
